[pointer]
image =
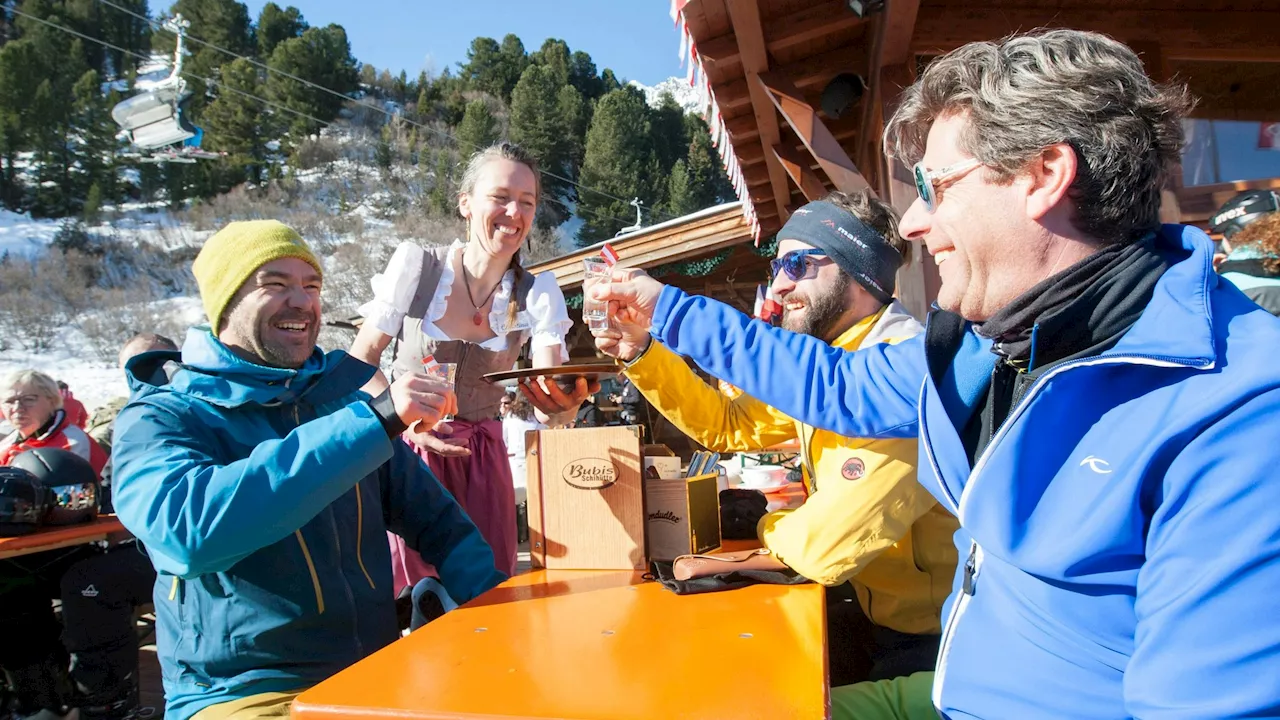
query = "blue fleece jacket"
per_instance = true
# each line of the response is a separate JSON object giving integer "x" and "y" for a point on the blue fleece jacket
{"x": 1120, "y": 530}
{"x": 263, "y": 497}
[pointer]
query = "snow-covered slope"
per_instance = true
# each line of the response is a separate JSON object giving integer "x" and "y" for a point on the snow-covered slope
{"x": 686, "y": 96}
{"x": 20, "y": 235}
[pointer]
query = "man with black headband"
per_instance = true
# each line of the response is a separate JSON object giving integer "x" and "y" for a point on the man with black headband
{"x": 868, "y": 529}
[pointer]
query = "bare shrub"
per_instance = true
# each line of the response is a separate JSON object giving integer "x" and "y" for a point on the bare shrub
{"x": 121, "y": 313}
{"x": 39, "y": 295}
{"x": 314, "y": 152}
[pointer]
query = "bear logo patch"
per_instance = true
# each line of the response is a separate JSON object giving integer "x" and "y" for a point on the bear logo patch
{"x": 853, "y": 469}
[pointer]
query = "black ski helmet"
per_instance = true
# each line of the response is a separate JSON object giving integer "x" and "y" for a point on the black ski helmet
{"x": 70, "y": 477}
{"x": 1242, "y": 210}
{"x": 24, "y": 501}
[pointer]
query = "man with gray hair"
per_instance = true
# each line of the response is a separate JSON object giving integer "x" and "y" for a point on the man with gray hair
{"x": 1093, "y": 403}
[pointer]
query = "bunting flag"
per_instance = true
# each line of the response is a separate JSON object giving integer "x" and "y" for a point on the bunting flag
{"x": 696, "y": 76}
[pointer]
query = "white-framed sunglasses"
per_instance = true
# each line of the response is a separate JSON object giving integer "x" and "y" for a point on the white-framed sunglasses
{"x": 927, "y": 181}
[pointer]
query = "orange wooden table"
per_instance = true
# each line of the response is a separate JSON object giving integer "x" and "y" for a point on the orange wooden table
{"x": 594, "y": 645}
{"x": 55, "y": 538}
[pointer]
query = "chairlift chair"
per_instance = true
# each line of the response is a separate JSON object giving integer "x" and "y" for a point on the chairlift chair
{"x": 155, "y": 119}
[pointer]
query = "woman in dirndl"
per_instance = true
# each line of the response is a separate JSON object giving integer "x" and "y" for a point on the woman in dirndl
{"x": 471, "y": 303}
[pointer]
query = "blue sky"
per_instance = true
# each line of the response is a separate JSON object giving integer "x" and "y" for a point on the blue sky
{"x": 634, "y": 37}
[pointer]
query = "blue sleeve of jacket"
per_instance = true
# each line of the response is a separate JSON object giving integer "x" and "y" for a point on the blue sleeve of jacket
{"x": 420, "y": 510}
{"x": 869, "y": 393}
{"x": 1207, "y": 641}
{"x": 198, "y": 514}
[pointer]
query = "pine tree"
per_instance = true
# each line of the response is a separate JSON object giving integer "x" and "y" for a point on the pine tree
{"x": 322, "y": 56}
{"x": 238, "y": 125}
{"x": 92, "y": 204}
{"x": 583, "y": 76}
{"x": 540, "y": 123}
{"x": 276, "y": 25}
{"x": 441, "y": 199}
{"x": 93, "y": 134}
{"x": 495, "y": 68}
{"x": 667, "y": 132}
{"x": 608, "y": 82}
{"x": 382, "y": 156}
{"x": 478, "y": 129}
{"x": 575, "y": 112}
{"x": 680, "y": 195}
{"x": 554, "y": 56}
{"x": 20, "y": 69}
{"x": 224, "y": 23}
{"x": 707, "y": 178}
{"x": 618, "y": 161}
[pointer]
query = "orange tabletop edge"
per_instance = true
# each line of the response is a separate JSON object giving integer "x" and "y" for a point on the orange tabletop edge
{"x": 597, "y": 645}
{"x": 57, "y": 537}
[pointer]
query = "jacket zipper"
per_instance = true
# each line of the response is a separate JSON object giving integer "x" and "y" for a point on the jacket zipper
{"x": 968, "y": 584}
{"x": 311, "y": 567}
{"x": 1015, "y": 412}
{"x": 360, "y": 536}
{"x": 346, "y": 586}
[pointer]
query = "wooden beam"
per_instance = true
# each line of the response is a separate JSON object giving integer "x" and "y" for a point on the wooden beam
{"x": 797, "y": 166}
{"x": 1153, "y": 59}
{"x": 890, "y": 45}
{"x": 745, "y": 15}
{"x": 1185, "y": 34}
{"x": 804, "y": 120}
{"x": 870, "y": 101}
{"x": 811, "y": 73}
{"x": 677, "y": 241}
{"x": 787, "y": 32}
{"x": 893, "y": 80}
{"x": 899, "y": 26}
{"x": 742, "y": 131}
{"x": 1232, "y": 91}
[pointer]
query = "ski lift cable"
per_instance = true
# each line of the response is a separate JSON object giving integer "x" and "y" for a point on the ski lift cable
{"x": 269, "y": 103}
{"x": 140, "y": 56}
{"x": 371, "y": 106}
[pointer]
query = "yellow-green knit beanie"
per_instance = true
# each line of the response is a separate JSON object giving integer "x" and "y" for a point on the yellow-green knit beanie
{"x": 235, "y": 252}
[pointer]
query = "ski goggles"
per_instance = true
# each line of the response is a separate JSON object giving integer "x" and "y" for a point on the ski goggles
{"x": 796, "y": 264}
{"x": 927, "y": 181}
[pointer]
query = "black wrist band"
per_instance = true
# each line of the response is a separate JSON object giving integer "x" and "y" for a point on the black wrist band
{"x": 385, "y": 409}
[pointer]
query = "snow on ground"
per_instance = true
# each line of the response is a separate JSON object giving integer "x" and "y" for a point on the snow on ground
{"x": 92, "y": 379}
{"x": 21, "y": 235}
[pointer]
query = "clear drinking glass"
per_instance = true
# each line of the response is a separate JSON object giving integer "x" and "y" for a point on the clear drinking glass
{"x": 594, "y": 312}
{"x": 447, "y": 372}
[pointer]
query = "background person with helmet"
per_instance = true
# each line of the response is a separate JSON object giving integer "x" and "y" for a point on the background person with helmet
{"x": 1249, "y": 253}
{"x": 90, "y": 661}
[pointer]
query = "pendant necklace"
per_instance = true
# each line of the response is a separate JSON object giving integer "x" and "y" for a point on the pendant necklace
{"x": 478, "y": 318}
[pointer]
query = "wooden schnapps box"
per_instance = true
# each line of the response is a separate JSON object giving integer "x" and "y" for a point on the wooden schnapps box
{"x": 683, "y": 515}
{"x": 586, "y": 501}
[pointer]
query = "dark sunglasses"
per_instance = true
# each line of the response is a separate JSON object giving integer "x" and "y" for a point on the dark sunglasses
{"x": 796, "y": 264}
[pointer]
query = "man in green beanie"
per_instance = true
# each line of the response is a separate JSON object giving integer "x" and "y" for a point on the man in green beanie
{"x": 262, "y": 483}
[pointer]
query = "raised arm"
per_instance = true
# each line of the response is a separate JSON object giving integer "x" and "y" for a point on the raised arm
{"x": 868, "y": 393}
{"x": 197, "y": 513}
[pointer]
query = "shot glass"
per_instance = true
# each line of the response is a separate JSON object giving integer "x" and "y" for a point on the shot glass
{"x": 594, "y": 312}
{"x": 447, "y": 372}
